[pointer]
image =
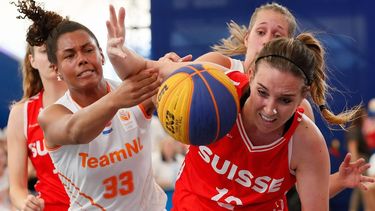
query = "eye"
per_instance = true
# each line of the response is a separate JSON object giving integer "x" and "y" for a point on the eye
{"x": 262, "y": 93}
{"x": 89, "y": 49}
{"x": 261, "y": 32}
{"x": 285, "y": 100}
{"x": 68, "y": 56}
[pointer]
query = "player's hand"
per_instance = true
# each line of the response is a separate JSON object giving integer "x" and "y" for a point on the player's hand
{"x": 137, "y": 88}
{"x": 351, "y": 173}
{"x": 116, "y": 33}
{"x": 33, "y": 203}
{"x": 172, "y": 56}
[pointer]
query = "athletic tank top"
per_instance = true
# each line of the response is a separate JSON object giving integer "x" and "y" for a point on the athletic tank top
{"x": 113, "y": 171}
{"x": 234, "y": 174}
{"x": 49, "y": 185}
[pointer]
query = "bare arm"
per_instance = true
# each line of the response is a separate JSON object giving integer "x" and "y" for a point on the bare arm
{"x": 216, "y": 58}
{"x": 18, "y": 162}
{"x": 62, "y": 127}
{"x": 124, "y": 61}
{"x": 310, "y": 159}
{"x": 127, "y": 62}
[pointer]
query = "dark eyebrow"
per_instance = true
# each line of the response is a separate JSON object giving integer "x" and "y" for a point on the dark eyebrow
{"x": 284, "y": 95}
{"x": 82, "y": 46}
{"x": 261, "y": 85}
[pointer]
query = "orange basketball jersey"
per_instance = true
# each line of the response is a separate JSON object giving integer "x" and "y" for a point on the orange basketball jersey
{"x": 233, "y": 174}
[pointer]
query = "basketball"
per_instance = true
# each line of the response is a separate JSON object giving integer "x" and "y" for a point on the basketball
{"x": 197, "y": 104}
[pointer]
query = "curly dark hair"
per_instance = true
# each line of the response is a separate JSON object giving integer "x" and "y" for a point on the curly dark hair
{"x": 43, "y": 21}
{"x": 47, "y": 27}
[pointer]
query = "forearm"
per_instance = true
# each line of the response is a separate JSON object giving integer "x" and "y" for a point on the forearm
{"x": 128, "y": 65}
{"x": 167, "y": 68}
{"x": 62, "y": 127}
{"x": 335, "y": 186}
{"x": 86, "y": 124}
{"x": 18, "y": 196}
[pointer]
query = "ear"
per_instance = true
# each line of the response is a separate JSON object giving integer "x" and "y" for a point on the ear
{"x": 304, "y": 94}
{"x": 32, "y": 61}
{"x": 246, "y": 37}
{"x": 102, "y": 56}
{"x": 55, "y": 69}
{"x": 249, "y": 72}
{"x": 305, "y": 91}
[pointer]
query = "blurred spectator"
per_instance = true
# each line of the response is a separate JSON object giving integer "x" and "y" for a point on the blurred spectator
{"x": 158, "y": 133}
{"x": 5, "y": 203}
{"x": 369, "y": 125}
{"x": 167, "y": 162}
{"x": 167, "y": 158}
{"x": 369, "y": 134}
{"x": 358, "y": 147}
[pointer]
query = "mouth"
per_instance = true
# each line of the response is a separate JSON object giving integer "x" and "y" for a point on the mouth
{"x": 266, "y": 118}
{"x": 85, "y": 73}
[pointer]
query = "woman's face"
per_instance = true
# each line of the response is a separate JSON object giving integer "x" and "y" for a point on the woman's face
{"x": 39, "y": 61}
{"x": 268, "y": 25}
{"x": 79, "y": 59}
{"x": 275, "y": 95}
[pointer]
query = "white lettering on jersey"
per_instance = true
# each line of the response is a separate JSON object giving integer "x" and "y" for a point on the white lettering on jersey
{"x": 243, "y": 177}
{"x": 38, "y": 148}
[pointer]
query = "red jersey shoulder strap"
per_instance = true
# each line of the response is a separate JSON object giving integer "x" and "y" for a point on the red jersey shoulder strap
{"x": 296, "y": 120}
{"x": 31, "y": 111}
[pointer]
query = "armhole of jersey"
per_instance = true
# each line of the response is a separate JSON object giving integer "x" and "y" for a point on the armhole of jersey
{"x": 51, "y": 149}
{"x": 290, "y": 152}
{"x": 25, "y": 119}
{"x": 293, "y": 123}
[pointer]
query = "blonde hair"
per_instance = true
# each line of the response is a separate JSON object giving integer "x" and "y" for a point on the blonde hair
{"x": 235, "y": 43}
{"x": 304, "y": 56}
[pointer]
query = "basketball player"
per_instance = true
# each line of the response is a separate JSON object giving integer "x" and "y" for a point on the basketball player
{"x": 25, "y": 137}
{"x": 97, "y": 132}
{"x": 270, "y": 21}
{"x": 273, "y": 144}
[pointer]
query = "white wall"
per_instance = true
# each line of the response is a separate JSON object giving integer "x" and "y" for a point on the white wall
{"x": 91, "y": 13}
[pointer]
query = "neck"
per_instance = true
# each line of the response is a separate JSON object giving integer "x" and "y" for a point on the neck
{"x": 90, "y": 95}
{"x": 52, "y": 92}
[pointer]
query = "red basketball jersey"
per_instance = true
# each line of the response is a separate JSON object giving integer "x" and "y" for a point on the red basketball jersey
{"x": 49, "y": 185}
{"x": 233, "y": 174}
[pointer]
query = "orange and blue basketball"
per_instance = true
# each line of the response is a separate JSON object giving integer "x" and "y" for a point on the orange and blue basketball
{"x": 197, "y": 104}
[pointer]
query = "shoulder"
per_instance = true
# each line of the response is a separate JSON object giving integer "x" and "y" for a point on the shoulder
{"x": 16, "y": 128}
{"x": 308, "y": 143}
{"x": 307, "y": 131}
{"x": 16, "y": 114}
{"x": 217, "y": 58}
{"x": 17, "y": 108}
{"x": 305, "y": 104}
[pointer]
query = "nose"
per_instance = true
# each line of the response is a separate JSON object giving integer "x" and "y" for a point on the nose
{"x": 268, "y": 37}
{"x": 270, "y": 108}
{"x": 82, "y": 59}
